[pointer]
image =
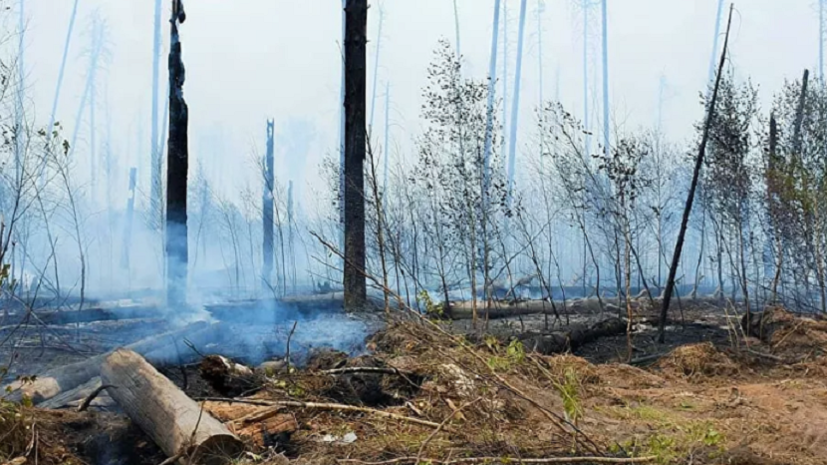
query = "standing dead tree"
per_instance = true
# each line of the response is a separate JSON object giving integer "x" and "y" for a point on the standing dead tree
{"x": 177, "y": 166}
{"x": 356, "y": 19}
{"x": 267, "y": 206}
{"x": 673, "y": 268}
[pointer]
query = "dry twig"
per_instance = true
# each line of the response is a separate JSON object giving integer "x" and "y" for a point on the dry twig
{"x": 88, "y": 400}
{"x": 472, "y": 460}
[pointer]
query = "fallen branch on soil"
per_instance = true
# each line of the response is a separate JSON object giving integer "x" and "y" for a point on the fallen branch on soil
{"x": 326, "y": 406}
{"x": 88, "y": 400}
{"x": 647, "y": 359}
{"x": 351, "y": 370}
{"x": 471, "y": 460}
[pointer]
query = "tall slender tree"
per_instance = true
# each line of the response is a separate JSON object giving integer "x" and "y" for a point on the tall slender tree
{"x": 714, "y": 55}
{"x": 156, "y": 189}
{"x": 606, "y": 132}
{"x": 821, "y": 39}
{"x": 456, "y": 29}
{"x": 355, "y": 285}
{"x": 489, "y": 112}
{"x": 267, "y": 206}
{"x": 386, "y": 147}
{"x": 177, "y": 167}
{"x": 375, "y": 86}
{"x": 515, "y": 110}
{"x": 62, "y": 71}
{"x": 699, "y": 160}
{"x": 342, "y": 128}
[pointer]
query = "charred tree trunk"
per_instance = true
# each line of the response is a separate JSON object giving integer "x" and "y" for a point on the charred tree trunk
{"x": 177, "y": 167}
{"x": 267, "y": 202}
{"x": 676, "y": 257}
{"x": 356, "y": 18}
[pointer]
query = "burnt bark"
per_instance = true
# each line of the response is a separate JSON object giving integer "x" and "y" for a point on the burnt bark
{"x": 355, "y": 285}
{"x": 676, "y": 256}
{"x": 177, "y": 167}
{"x": 562, "y": 341}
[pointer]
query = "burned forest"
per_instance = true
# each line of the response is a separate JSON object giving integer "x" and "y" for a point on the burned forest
{"x": 413, "y": 232}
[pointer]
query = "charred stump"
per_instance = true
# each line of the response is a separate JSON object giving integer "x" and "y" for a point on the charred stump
{"x": 227, "y": 377}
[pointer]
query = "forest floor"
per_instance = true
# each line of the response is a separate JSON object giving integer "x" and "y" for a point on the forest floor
{"x": 708, "y": 396}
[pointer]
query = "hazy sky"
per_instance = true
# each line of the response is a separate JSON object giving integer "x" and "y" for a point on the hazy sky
{"x": 248, "y": 60}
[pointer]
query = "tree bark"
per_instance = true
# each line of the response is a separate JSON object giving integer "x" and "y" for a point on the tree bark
{"x": 561, "y": 341}
{"x": 177, "y": 424}
{"x": 356, "y": 17}
{"x": 177, "y": 167}
{"x": 676, "y": 257}
{"x": 267, "y": 207}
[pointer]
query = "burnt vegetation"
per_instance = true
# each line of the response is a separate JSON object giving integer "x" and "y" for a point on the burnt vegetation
{"x": 635, "y": 301}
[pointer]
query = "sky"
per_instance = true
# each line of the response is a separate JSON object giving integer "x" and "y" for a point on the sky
{"x": 251, "y": 60}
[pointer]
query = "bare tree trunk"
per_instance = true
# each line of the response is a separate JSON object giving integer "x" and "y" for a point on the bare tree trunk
{"x": 177, "y": 168}
{"x": 356, "y": 18}
{"x": 267, "y": 206}
{"x": 779, "y": 244}
{"x": 156, "y": 189}
{"x": 676, "y": 257}
{"x": 694, "y": 293}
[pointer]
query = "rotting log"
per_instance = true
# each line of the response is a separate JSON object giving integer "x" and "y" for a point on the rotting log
{"x": 177, "y": 424}
{"x": 561, "y": 341}
{"x": 65, "y": 378}
{"x": 226, "y": 376}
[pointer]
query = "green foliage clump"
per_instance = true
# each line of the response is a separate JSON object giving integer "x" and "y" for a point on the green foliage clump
{"x": 504, "y": 360}
{"x": 432, "y": 310}
{"x": 569, "y": 392}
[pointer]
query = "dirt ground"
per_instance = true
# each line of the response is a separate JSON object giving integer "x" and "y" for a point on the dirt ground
{"x": 710, "y": 395}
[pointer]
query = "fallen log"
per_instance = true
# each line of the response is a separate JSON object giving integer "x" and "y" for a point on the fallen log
{"x": 52, "y": 382}
{"x": 89, "y": 315}
{"x": 276, "y": 311}
{"x": 227, "y": 377}
{"x": 464, "y": 310}
{"x": 562, "y": 341}
{"x": 71, "y": 397}
{"x": 177, "y": 424}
